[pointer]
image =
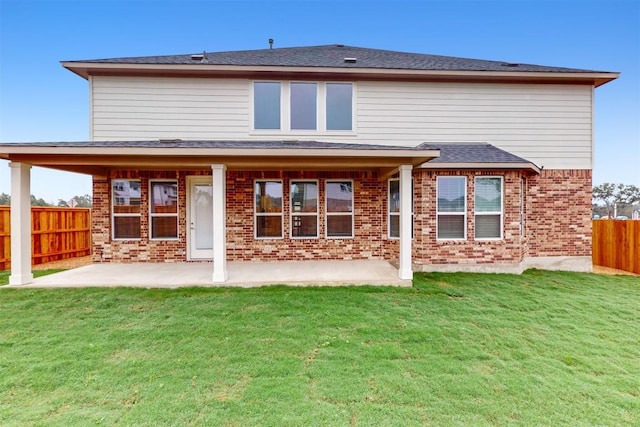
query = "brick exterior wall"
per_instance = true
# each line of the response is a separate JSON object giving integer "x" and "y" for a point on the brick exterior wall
{"x": 557, "y": 206}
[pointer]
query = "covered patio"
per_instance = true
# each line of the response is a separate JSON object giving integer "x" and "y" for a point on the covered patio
{"x": 240, "y": 274}
{"x": 215, "y": 158}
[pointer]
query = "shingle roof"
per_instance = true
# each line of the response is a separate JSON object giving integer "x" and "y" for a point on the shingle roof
{"x": 334, "y": 56}
{"x": 222, "y": 144}
{"x": 471, "y": 153}
{"x": 451, "y": 155}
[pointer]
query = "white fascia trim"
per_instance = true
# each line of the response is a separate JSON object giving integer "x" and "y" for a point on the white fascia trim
{"x": 527, "y": 165}
{"x": 84, "y": 69}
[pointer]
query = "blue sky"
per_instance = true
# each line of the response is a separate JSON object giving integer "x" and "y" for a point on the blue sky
{"x": 41, "y": 101}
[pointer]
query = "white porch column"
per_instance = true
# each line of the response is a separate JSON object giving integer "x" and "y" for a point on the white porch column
{"x": 219, "y": 223}
{"x": 20, "y": 224}
{"x": 406, "y": 269}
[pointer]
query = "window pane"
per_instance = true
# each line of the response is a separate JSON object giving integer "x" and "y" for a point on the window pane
{"x": 488, "y": 195}
{"x": 269, "y": 226}
{"x": 203, "y": 216}
{"x": 268, "y": 197}
{"x": 304, "y": 197}
{"x": 394, "y": 196}
{"x": 164, "y": 227}
{"x": 339, "y": 226}
{"x": 164, "y": 197}
{"x": 126, "y": 196}
{"x": 126, "y": 227}
{"x": 394, "y": 225}
{"x": 304, "y": 226}
{"x": 339, "y": 106}
{"x": 451, "y": 194}
{"x": 266, "y": 105}
{"x": 450, "y": 226}
{"x": 339, "y": 197}
{"x": 487, "y": 226}
{"x": 303, "y": 106}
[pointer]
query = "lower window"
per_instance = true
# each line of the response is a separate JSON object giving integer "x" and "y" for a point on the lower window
{"x": 304, "y": 209}
{"x": 125, "y": 209}
{"x": 488, "y": 207}
{"x": 268, "y": 209}
{"x": 451, "y": 207}
{"x": 394, "y": 208}
{"x": 163, "y": 206}
{"x": 339, "y": 207}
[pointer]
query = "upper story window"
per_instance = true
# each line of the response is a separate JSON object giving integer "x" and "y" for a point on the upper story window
{"x": 266, "y": 105}
{"x": 339, "y": 106}
{"x": 303, "y": 106}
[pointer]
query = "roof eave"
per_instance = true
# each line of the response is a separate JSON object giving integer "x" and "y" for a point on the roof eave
{"x": 484, "y": 165}
{"x": 85, "y": 69}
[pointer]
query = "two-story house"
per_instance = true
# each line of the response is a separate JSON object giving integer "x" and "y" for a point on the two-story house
{"x": 330, "y": 152}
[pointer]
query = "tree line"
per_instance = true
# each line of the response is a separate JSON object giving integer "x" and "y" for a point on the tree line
{"x": 76, "y": 202}
{"x": 618, "y": 200}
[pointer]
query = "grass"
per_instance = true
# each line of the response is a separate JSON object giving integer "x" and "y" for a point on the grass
{"x": 4, "y": 275}
{"x": 542, "y": 348}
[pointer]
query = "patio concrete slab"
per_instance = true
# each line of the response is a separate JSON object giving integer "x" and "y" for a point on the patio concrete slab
{"x": 241, "y": 274}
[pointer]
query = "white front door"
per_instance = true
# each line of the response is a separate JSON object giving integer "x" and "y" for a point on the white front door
{"x": 200, "y": 217}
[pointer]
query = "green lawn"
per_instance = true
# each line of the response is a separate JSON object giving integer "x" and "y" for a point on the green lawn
{"x": 543, "y": 348}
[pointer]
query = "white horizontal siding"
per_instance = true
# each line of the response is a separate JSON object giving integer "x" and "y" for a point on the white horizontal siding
{"x": 550, "y": 125}
{"x": 125, "y": 108}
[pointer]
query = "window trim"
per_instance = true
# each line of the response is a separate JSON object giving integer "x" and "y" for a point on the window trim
{"x": 523, "y": 208}
{"x": 252, "y": 107}
{"x": 285, "y": 109}
{"x": 291, "y": 84}
{"x": 157, "y": 215}
{"x": 292, "y": 213}
{"x": 327, "y": 214}
{"x": 475, "y": 207}
{"x": 463, "y": 213}
{"x": 353, "y": 108}
{"x": 114, "y": 214}
{"x": 257, "y": 214}
{"x": 389, "y": 213}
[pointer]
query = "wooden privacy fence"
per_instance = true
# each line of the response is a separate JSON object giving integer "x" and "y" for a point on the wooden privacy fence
{"x": 616, "y": 244}
{"x": 56, "y": 233}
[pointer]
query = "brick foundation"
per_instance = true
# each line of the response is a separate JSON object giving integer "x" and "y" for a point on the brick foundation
{"x": 557, "y": 207}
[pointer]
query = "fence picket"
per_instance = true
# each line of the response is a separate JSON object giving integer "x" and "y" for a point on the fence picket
{"x": 56, "y": 233}
{"x": 616, "y": 244}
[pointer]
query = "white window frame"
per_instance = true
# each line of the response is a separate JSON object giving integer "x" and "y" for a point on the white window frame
{"x": 114, "y": 214}
{"x": 157, "y": 215}
{"x": 318, "y": 115}
{"x": 523, "y": 209}
{"x": 323, "y": 107}
{"x": 292, "y": 213}
{"x": 390, "y": 214}
{"x": 253, "y": 107}
{"x": 328, "y": 214}
{"x": 475, "y": 207}
{"x": 463, "y": 213}
{"x": 285, "y": 110}
{"x": 257, "y": 214}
